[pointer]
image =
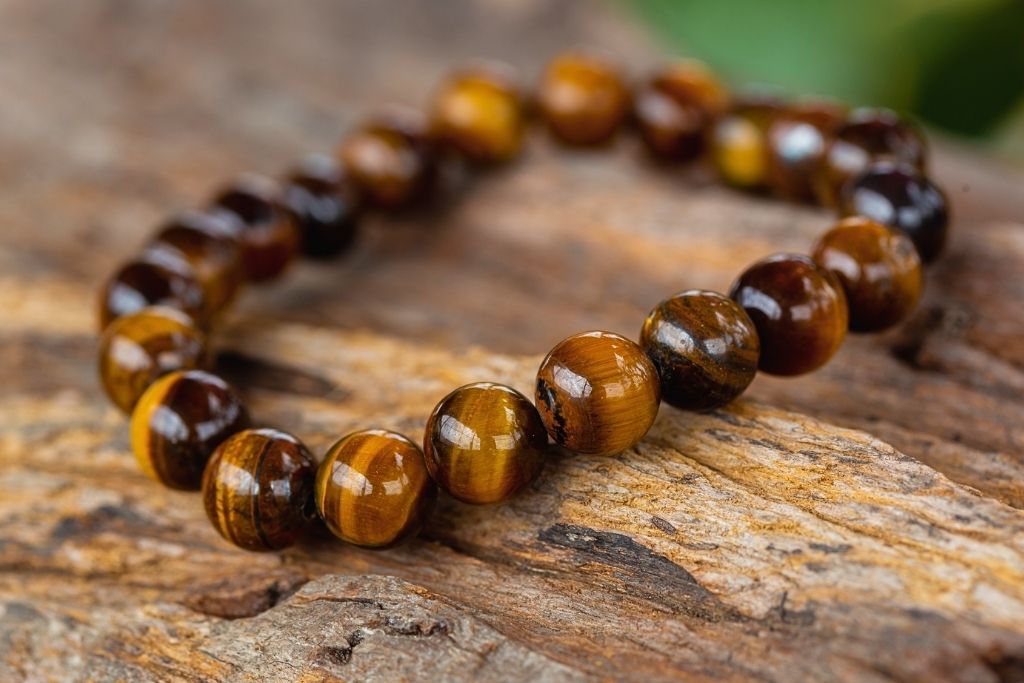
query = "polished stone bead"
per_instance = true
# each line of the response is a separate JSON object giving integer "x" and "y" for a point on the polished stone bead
{"x": 258, "y": 489}
{"x": 178, "y": 422}
{"x": 139, "y": 348}
{"x": 267, "y": 232}
{"x": 901, "y": 197}
{"x": 597, "y": 393}
{"x": 373, "y": 489}
{"x": 583, "y": 98}
{"x": 797, "y": 140}
{"x": 879, "y": 269}
{"x": 799, "y": 311}
{"x": 705, "y": 348}
{"x": 479, "y": 112}
{"x": 484, "y": 442}
{"x": 739, "y": 142}
{"x": 325, "y": 205}
{"x": 672, "y": 125}
{"x": 154, "y": 278}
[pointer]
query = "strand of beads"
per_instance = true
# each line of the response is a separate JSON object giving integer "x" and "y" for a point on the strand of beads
{"x": 596, "y": 392}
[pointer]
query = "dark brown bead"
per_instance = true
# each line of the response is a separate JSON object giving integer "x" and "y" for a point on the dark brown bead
{"x": 179, "y": 421}
{"x": 797, "y": 141}
{"x": 704, "y": 346}
{"x": 139, "y": 348}
{"x": 583, "y": 99}
{"x": 879, "y": 269}
{"x": 391, "y": 159}
{"x": 373, "y": 489}
{"x": 324, "y": 203}
{"x": 258, "y": 489}
{"x": 673, "y": 128}
{"x": 268, "y": 234}
{"x": 739, "y": 142}
{"x": 484, "y": 442}
{"x": 798, "y": 309}
{"x": 154, "y": 278}
{"x": 866, "y": 137}
{"x": 211, "y": 247}
{"x": 480, "y": 113}
{"x": 901, "y": 197}
{"x": 597, "y": 393}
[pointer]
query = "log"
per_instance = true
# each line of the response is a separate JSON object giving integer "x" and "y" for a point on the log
{"x": 864, "y": 523}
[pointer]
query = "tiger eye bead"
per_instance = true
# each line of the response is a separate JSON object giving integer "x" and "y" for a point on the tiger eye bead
{"x": 154, "y": 278}
{"x": 484, "y": 442}
{"x": 797, "y": 140}
{"x": 324, "y": 203}
{"x": 704, "y": 346}
{"x": 211, "y": 248}
{"x": 258, "y": 489}
{"x": 671, "y": 126}
{"x": 373, "y": 489}
{"x": 137, "y": 349}
{"x": 597, "y": 393}
{"x": 900, "y": 197}
{"x": 583, "y": 99}
{"x": 268, "y": 235}
{"x": 739, "y": 142}
{"x": 480, "y": 114}
{"x": 798, "y": 309}
{"x": 179, "y": 421}
{"x": 879, "y": 269}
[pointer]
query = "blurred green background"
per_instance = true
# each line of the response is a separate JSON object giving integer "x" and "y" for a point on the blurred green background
{"x": 956, "y": 65}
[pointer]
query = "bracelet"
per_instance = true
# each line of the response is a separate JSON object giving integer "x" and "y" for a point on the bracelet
{"x": 597, "y": 392}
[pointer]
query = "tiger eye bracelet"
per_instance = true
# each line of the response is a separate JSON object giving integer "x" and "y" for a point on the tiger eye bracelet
{"x": 597, "y": 392}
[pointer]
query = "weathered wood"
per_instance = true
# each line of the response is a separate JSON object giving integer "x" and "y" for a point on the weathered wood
{"x": 766, "y": 541}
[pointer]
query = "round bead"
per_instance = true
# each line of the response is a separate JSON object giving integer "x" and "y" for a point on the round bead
{"x": 480, "y": 114}
{"x": 137, "y": 349}
{"x": 211, "y": 248}
{"x": 484, "y": 442}
{"x": 324, "y": 204}
{"x": 583, "y": 98}
{"x": 739, "y": 144}
{"x": 268, "y": 234}
{"x": 179, "y": 421}
{"x": 879, "y": 269}
{"x": 798, "y": 309}
{"x": 693, "y": 81}
{"x": 155, "y": 278}
{"x": 597, "y": 393}
{"x": 373, "y": 489}
{"x": 704, "y": 346}
{"x": 258, "y": 489}
{"x": 672, "y": 124}
{"x": 899, "y": 196}
{"x": 797, "y": 140}
{"x": 390, "y": 159}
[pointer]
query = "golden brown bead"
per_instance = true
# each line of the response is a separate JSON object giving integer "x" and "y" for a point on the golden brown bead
{"x": 798, "y": 309}
{"x": 597, "y": 393}
{"x": 480, "y": 114}
{"x": 373, "y": 489}
{"x": 258, "y": 489}
{"x": 674, "y": 110}
{"x": 583, "y": 98}
{"x": 704, "y": 346}
{"x": 137, "y": 349}
{"x": 739, "y": 142}
{"x": 155, "y": 278}
{"x": 879, "y": 269}
{"x": 179, "y": 421}
{"x": 797, "y": 141}
{"x": 267, "y": 232}
{"x": 325, "y": 204}
{"x": 484, "y": 442}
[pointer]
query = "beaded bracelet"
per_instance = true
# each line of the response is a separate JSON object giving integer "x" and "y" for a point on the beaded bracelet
{"x": 597, "y": 392}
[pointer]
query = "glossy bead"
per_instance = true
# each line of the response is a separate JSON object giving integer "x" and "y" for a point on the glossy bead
{"x": 673, "y": 127}
{"x": 268, "y": 234}
{"x": 480, "y": 114}
{"x": 739, "y": 142}
{"x": 597, "y": 393}
{"x": 154, "y": 278}
{"x": 137, "y": 349}
{"x": 866, "y": 137}
{"x": 797, "y": 141}
{"x": 324, "y": 203}
{"x": 373, "y": 489}
{"x": 583, "y": 99}
{"x": 879, "y": 269}
{"x": 484, "y": 442}
{"x": 798, "y": 309}
{"x": 210, "y": 246}
{"x": 179, "y": 421}
{"x": 901, "y": 197}
{"x": 704, "y": 346}
{"x": 391, "y": 159}
{"x": 258, "y": 489}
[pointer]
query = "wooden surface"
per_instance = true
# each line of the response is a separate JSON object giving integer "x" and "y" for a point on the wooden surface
{"x": 769, "y": 541}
